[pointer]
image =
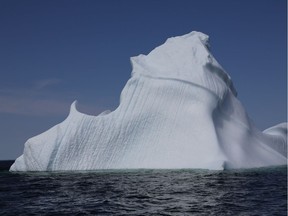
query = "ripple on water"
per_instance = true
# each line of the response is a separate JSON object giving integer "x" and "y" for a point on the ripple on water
{"x": 145, "y": 192}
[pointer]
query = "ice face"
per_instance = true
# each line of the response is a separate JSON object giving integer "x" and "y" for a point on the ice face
{"x": 178, "y": 110}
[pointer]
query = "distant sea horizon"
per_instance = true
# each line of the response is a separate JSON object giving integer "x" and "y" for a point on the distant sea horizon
{"x": 6, "y": 164}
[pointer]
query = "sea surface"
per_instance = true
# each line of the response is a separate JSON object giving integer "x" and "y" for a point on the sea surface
{"x": 145, "y": 192}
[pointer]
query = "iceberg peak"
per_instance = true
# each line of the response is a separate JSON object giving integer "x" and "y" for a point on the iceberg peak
{"x": 192, "y": 35}
{"x": 185, "y": 58}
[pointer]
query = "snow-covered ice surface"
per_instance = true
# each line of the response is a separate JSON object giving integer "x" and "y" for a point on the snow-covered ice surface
{"x": 179, "y": 109}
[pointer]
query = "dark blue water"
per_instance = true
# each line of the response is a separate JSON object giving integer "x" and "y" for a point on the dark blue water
{"x": 145, "y": 192}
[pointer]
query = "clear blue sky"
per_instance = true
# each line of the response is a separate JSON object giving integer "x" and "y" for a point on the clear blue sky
{"x": 55, "y": 51}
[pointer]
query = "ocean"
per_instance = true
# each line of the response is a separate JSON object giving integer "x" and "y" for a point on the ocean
{"x": 260, "y": 191}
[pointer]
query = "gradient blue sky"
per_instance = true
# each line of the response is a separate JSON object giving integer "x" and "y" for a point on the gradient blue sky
{"x": 53, "y": 52}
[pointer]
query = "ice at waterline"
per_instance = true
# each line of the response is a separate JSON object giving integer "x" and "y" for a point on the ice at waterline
{"x": 179, "y": 109}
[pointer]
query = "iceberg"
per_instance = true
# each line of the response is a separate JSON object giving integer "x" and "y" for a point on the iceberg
{"x": 178, "y": 110}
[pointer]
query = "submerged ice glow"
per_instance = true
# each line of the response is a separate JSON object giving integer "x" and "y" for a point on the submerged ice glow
{"x": 179, "y": 109}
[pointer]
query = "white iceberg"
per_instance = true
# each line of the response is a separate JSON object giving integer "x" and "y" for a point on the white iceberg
{"x": 178, "y": 110}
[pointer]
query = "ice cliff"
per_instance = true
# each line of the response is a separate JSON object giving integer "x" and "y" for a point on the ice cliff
{"x": 179, "y": 109}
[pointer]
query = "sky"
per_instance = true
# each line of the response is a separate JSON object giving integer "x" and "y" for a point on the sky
{"x": 53, "y": 52}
